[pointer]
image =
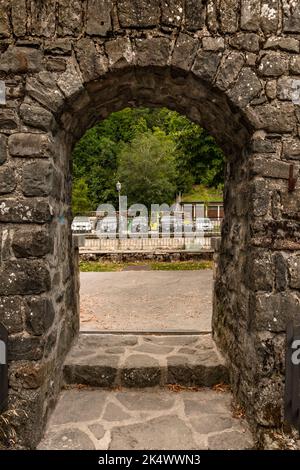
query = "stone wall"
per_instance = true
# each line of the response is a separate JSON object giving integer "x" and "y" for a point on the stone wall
{"x": 228, "y": 65}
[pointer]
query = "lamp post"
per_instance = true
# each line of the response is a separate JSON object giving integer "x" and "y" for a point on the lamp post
{"x": 119, "y": 187}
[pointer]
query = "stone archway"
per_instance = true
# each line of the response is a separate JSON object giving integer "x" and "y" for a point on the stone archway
{"x": 65, "y": 66}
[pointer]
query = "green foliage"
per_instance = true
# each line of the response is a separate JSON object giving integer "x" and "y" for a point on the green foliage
{"x": 80, "y": 198}
{"x": 147, "y": 168}
{"x": 189, "y": 156}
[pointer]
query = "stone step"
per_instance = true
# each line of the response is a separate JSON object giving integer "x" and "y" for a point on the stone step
{"x": 140, "y": 361}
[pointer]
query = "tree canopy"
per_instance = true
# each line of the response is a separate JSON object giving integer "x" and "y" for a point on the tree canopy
{"x": 155, "y": 153}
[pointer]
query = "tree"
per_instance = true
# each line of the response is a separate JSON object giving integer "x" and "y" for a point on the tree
{"x": 80, "y": 199}
{"x": 147, "y": 169}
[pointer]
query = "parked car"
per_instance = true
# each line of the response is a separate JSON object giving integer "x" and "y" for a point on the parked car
{"x": 204, "y": 225}
{"x": 81, "y": 224}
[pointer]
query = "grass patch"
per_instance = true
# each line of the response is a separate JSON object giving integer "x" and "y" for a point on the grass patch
{"x": 95, "y": 266}
{"x": 201, "y": 193}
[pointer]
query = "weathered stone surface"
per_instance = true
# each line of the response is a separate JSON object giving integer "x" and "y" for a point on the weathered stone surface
{"x": 246, "y": 42}
{"x": 172, "y": 12}
{"x": 25, "y": 348}
{"x": 262, "y": 167}
{"x": 29, "y": 145}
{"x": 56, "y": 64}
{"x": 206, "y": 64}
{"x": 207, "y": 371}
{"x": 294, "y": 270}
{"x": 285, "y": 89}
{"x": 12, "y": 312}
{"x": 119, "y": 52}
{"x": 213, "y": 44}
{"x": 295, "y": 65}
{"x": 209, "y": 423}
{"x": 154, "y": 51}
{"x": 36, "y": 116}
{"x": 276, "y": 119}
{"x": 246, "y": 88}
{"x": 291, "y": 18}
{"x": 230, "y": 440}
{"x": 291, "y": 149}
{"x": 24, "y": 277}
{"x": 20, "y": 60}
{"x": 194, "y": 14}
{"x": 92, "y": 65}
{"x": 4, "y": 19}
{"x": 37, "y": 179}
{"x": 273, "y": 64}
{"x": 99, "y": 17}
{"x": 97, "y": 430}
{"x": 141, "y": 401}
{"x": 160, "y": 433}
{"x": 44, "y": 89}
{"x": 115, "y": 413}
{"x": 7, "y": 180}
{"x": 269, "y": 16}
{"x": 271, "y": 89}
{"x": 140, "y": 371}
{"x": 184, "y": 51}
{"x": 70, "y": 15}
{"x": 58, "y": 47}
{"x": 24, "y": 211}
{"x": 142, "y": 14}
{"x": 285, "y": 44}
{"x": 229, "y": 69}
{"x": 42, "y": 18}
{"x": 274, "y": 311}
{"x": 68, "y": 439}
{"x": 93, "y": 375}
{"x": 27, "y": 243}
{"x": 40, "y": 315}
{"x": 3, "y": 149}
{"x": 8, "y": 119}
{"x": 229, "y": 16}
{"x": 19, "y": 17}
{"x": 250, "y": 15}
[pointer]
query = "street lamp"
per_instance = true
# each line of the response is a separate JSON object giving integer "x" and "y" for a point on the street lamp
{"x": 119, "y": 187}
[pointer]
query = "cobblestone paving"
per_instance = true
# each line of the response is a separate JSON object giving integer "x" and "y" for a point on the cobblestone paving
{"x": 145, "y": 419}
{"x": 144, "y": 360}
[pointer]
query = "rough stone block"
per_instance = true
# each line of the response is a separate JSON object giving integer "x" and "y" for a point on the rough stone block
{"x": 146, "y": 13}
{"x": 152, "y": 51}
{"x": 28, "y": 242}
{"x": 4, "y": 19}
{"x": 276, "y": 118}
{"x": 274, "y": 311}
{"x": 24, "y": 211}
{"x": 24, "y": 277}
{"x": 44, "y": 89}
{"x": 291, "y": 16}
{"x": 250, "y": 15}
{"x": 3, "y": 149}
{"x": 92, "y": 64}
{"x": 284, "y": 44}
{"x": 229, "y": 15}
{"x": 59, "y": 46}
{"x": 36, "y": 116}
{"x": 42, "y": 18}
{"x": 172, "y": 12}
{"x": 194, "y": 15}
{"x": 29, "y": 145}
{"x": 278, "y": 169}
{"x": 20, "y": 60}
{"x": 273, "y": 64}
{"x": 184, "y": 51}
{"x": 99, "y": 17}
{"x": 295, "y": 65}
{"x": 294, "y": 271}
{"x": 119, "y": 52}
{"x": 246, "y": 42}
{"x": 291, "y": 149}
{"x": 25, "y": 348}
{"x": 12, "y": 312}
{"x": 206, "y": 64}
{"x": 19, "y": 17}
{"x": 70, "y": 17}
{"x": 247, "y": 87}
{"x": 229, "y": 69}
{"x": 7, "y": 180}
{"x": 213, "y": 44}
{"x": 269, "y": 16}
{"x": 40, "y": 315}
